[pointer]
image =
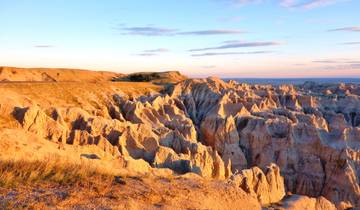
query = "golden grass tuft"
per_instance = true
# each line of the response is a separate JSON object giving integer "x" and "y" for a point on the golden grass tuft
{"x": 15, "y": 172}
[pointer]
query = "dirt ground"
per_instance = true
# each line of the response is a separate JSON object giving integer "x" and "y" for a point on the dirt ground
{"x": 129, "y": 193}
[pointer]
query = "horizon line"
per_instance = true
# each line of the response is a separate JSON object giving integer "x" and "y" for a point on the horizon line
{"x": 195, "y": 76}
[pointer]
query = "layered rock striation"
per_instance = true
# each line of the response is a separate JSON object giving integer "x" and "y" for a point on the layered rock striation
{"x": 268, "y": 140}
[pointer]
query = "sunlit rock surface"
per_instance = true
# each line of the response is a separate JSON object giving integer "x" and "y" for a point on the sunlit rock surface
{"x": 268, "y": 140}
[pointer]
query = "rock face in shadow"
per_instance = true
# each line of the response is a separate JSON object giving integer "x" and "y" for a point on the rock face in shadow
{"x": 268, "y": 139}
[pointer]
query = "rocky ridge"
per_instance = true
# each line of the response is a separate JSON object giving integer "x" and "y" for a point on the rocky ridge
{"x": 265, "y": 140}
{"x": 14, "y": 74}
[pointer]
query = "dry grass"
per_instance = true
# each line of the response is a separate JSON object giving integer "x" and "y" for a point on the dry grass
{"x": 68, "y": 94}
{"x": 15, "y": 172}
{"x": 42, "y": 185}
{"x": 54, "y": 74}
{"x": 45, "y": 184}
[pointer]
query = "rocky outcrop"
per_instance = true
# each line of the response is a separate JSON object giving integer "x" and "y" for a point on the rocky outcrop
{"x": 300, "y": 202}
{"x": 221, "y": 134}
{"x": 267, "y": 186}
{"x": 160, "y": 112}
{"x": 201, "y": 160}
{"x": 33, "y": 119}
{"x": 308, "y": 134}
{"x": 133, "y": 141}
{"x": 216, "y": 129}
{"x": 81, "y": 138}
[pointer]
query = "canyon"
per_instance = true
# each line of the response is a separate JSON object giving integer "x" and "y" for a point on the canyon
{"x": 217, "y": 144}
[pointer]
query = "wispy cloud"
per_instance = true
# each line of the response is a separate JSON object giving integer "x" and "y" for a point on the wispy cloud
{"x": 304, "y": 4}
{"x": 163, "y": 31}
{"x": 147, "y": 31}
{"x": 287, "y": 3}
{"x": 351, "y": 43}
{"x": 348, "y": 29}
{"x": 237, "y": 44}
{"x": 212, "y": 32}
{"x": 230, "y": 53}
{"x": 338, "y": 64}
{"x": 325, "y": 61}
{"x": 242, "y": 2}
{"x": 342, "y": 67}
{"x": 208, "y": 66}
{"x": 146, "y": 54}
{"x": 158, "y": 50}
{"x": 152, "y": 52}
{"x": 43, "y": 46}
{"x": 337, "y": 61}
{"x": 307, "y": 4}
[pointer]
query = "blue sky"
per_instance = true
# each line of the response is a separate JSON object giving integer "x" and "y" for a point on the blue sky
{"x": 245, "y": 38}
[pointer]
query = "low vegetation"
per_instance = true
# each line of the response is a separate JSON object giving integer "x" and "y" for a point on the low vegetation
{"x": 143, "y": 77}
{"x": 15, "y": 172}
{"x": 52, "y": 183}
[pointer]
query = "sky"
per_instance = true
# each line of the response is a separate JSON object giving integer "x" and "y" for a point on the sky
{"x": 225, "y": 38}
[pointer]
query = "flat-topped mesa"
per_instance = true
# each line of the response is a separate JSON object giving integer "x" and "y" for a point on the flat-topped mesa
{"x": 13, "y": 74}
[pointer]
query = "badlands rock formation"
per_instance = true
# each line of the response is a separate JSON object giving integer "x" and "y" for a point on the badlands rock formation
{"x": 310, "y": 135}
{"x": 264, "y": 140}
{"x": 267, "y": 187}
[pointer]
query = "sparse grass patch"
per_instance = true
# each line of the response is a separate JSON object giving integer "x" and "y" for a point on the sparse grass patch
{"x": 14, "y": 172}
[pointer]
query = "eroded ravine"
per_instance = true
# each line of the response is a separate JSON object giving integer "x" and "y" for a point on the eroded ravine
{"x": 266, "y": 140}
